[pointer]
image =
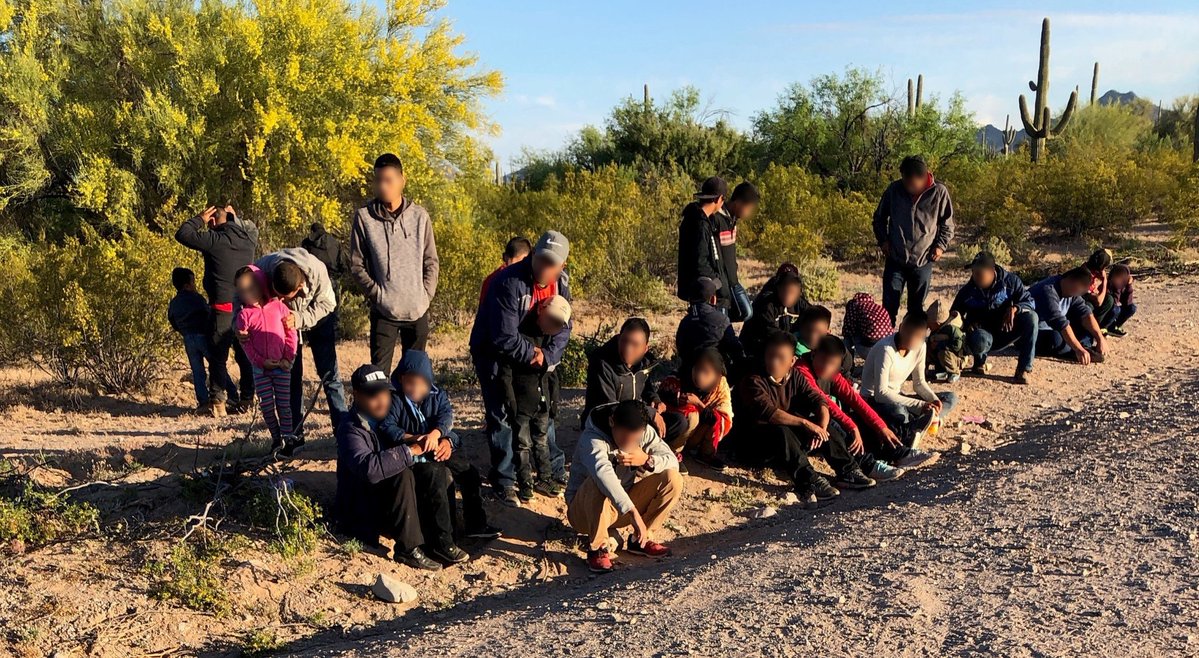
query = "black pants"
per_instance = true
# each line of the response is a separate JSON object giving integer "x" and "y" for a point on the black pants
{"x": 221, "y": 339}
{"x": 397, "y": 512}
{"x": 676, "y": 425}
{"x": 322, "y": 342}
{"x": 896, "y": 277}
{"x": 466, "y": 479}
{"x": 529, "y": 401}
{"x": 435, "y": 499}
{"x": 384, "y": 333}
{"x": 781, "y": 447}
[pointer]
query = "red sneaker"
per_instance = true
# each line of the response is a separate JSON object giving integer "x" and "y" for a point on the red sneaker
{"x": 599, "y": 561}
{"x": 647, "y": 548}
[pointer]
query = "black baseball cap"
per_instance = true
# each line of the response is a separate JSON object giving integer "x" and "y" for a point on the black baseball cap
{"x": 705, "y": 289}
{"x": 370, "y": 379}
{"x": 713, "y": 188}
{"x": 983, "y": 259}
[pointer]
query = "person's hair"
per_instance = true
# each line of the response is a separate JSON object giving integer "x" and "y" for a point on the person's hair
{"x": 1100, "y": 260}
{"x": 287, "y": 277}
{"x": 745, "y": 192}
{"x": 1081, "y": 274}
{"x": 181, "y": 276}
{"x": 389, "y": 160}
{"x": 778, "y": 338}
{"x": 913, "y": 165}
{"x": 316, "y": 227}
{"x": 517, "y": 246}
{"x": 915, "y": 318}
{"x": 1120, "y": 268}
{"x": 629, "y": 415}
{"x": 831, "y": 345}
{"x": 815, "y": 314}
{"x": 636, "y": 324}
{"x": 785, "y": 268}
{"x": 712, "y": 358}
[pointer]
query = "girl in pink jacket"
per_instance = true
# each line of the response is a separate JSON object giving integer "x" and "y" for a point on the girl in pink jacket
{"x": 271, "y": 348}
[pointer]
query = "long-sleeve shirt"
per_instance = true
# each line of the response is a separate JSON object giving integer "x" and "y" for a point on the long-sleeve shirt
{"x": 914, "y": 226}
{"x": 269, "y": 339}
{"x": 700, "y": 255}
{"x": 594, "y": 459}
{"x": 1055, "y": 311}
{"x": 758, "y": 397}
{"x": 226, "y": 248}
{"x": 887, "y": 369}
{"x": 839, "y": 387}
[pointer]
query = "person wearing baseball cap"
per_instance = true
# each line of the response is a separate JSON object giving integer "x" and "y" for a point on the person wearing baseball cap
{"x": 705, "y": 327}
{"x": 376, "y": 489}
{"x": 997, "y": 312}
{"x": 496, "y": 339}
{"x": 700, "y": 252}
{"x": 946, "y": 342}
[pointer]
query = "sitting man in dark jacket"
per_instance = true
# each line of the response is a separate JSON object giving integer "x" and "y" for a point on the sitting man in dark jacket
{"x": 620, "y": 370}
{"x": 776, "y": 308}
{"x": 376, "y": 492}
{"x": 997, "y": 311}
{"x": 706, "y": 326}
{"x": 421, "y": 415}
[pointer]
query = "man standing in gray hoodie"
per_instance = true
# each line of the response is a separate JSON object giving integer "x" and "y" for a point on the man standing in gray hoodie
{"x": 393, "y": 257}
{"x": 913, "y": 225}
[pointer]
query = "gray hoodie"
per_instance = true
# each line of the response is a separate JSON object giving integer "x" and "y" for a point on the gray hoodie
{"x": 914, "y": 227}
{"x": 317, "y": 299}
{"x": 594, "y": 458}
{"x": 393, "y": 257}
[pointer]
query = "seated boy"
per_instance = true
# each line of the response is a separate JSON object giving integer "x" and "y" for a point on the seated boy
{"x": 946, "y": 342}
{"x": 813, "y": 326}
{"x": 893, "y": 361}
{"x": 622, "y": 474}
{"x": 376, "y": 491}
{"x": 1067, "y": 322}
{"x": 530, "y": 400}
{"x": 421, "y": 414}
{"x": 189, "y": 315}
{"x": 782, "y": 418}
{"x": 879, "y": 452}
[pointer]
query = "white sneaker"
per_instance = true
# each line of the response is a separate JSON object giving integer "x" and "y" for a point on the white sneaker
{"x": 914, "y": 459}
{"x": 884, "y": 472}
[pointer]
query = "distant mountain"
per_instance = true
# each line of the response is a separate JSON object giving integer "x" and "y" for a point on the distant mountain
{"x": 991, "y": 136}
{"x": 1113, "y": 97}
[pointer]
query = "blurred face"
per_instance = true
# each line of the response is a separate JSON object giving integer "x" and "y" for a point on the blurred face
{"x": 825, "y": 366}
{"x": 779, "y": 361}
{"x": 704, "y": 376}
{"x": 915, "y": 184}
{"x": 983, "y": 277}
{"x": 549, "y": 326}
{"x": 911, "y": 336}
{"x": 415, "y": 387}
{"x": 1074, "y": 287}
{"x": 1118, "y": 279}
{"x": 789, "y": 293}
{"x": 742, "y": 209}
{"x": 633, "y": 346}
{"x": 545, "y": 270}
{"x": 373, "y": 405}
{"x": 626, "y": 439}
{"x": 389, "y": 185}
{"x": 813, "y": 331}
{"x": 248, "y": 290}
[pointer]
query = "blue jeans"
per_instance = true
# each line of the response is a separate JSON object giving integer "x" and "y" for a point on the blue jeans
{"x": 196, "y": 346}
{"x": 904, "y": 420}
{"x": 1123, "y": 314}
{"x": 322, "y": 340}
{"x": 1023, "y": 335}
{"x": 1052, "y": 343}
{"x": 897, "y": 276}
{"x": 499, "y": 429}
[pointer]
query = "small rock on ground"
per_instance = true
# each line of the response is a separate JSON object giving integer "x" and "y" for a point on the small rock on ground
{"x": 392, "y": 590}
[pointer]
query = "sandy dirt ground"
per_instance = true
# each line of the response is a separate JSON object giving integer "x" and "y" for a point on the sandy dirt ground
{"x": 1066, "y": 527}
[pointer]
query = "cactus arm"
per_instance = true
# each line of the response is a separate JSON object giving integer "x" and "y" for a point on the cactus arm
{"x": 1032, "y": 86}
{"x": 1064, "y": 120}
{"x": 1030, "y": 126}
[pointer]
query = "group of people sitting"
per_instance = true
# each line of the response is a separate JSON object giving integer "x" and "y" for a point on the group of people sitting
{"x": 775, "y": 393}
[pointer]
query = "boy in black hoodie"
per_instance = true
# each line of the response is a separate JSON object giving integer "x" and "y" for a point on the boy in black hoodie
{"x": 189, "y": 315}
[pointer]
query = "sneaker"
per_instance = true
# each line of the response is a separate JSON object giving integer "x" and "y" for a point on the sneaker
{"x": 980, "y": 369}
{"x": 217, "y": 409}
{"x": 682, "y": 466}
{"x": 854, "y": 478}
{"x": 647, "y": 548}
{"x": 1022, "y": 378}
{"x": 822, "y": 489}
{"x": 236, "y": 408}
{"x": 1117, "y": 331}
{"x": 525, "y": 492}
{"x": 953, "y": 378}
{"x": 713, "y": 462}
{"x": 914, "y": 459}
{"x": 941, "y": 377}
{"x": 485, "y": 531}
{"x": 561, "y": 478}
{"x": 807, "y": 497}
{"x": 416, "y": 559}
{"x": 508, "y": 497}
{"x": 884, "y": 472}
{"x": 549, "y": 488}
{"x": 599, "y": 561}
{"x": 203, "y": 409}
{"x": 292, "y": 445}
{"x": 451, "y": 554}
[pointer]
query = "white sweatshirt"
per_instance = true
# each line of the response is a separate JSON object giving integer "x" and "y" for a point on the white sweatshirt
{"x": 886, "y": 370}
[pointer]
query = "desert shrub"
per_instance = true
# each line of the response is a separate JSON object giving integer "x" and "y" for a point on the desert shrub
{"x": 259, "y": 642}
{"x": 192, "y": 574}
{"x": 822, "y": 280}
{"x": 37, "y": 517}
{"x": 991, "y": 244}
{"x": 572, "y": 372}
{"x": 353, "y": 315}
{"x": 468, "y": 250}
{"x": 293, "y": 518}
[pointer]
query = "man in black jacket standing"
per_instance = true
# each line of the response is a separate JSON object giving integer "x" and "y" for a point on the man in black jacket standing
{"x": 741, "y": 206}
{"x": 227, "y": 246}
{"x": 699, "y": 244}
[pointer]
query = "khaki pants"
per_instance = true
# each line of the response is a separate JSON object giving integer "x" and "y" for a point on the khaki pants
{"x": 592, "y": 514}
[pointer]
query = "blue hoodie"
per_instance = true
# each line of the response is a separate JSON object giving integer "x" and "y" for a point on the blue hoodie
{"x": 496, "y": 335}
{"x": 411, "y": 417}
{"x": 988, "y": 307}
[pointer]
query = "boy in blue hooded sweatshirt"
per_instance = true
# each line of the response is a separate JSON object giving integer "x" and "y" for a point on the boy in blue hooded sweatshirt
{"x": 421, "y": 413}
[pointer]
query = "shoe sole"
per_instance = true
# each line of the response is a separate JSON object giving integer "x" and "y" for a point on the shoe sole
{"x": 856, "y": 485}
{"x": 484, "y": 535}
{"x": 447, "y": 559}
{"x": 932, "y": 459}
{"x": 418, "y": 567}
{"x": 899, "y": 472}
{"x": 596, "y": 570}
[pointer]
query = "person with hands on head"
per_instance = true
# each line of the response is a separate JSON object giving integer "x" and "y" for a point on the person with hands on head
{"x": 1067, "y": 322}
{"x": 622, "y": 474}
{"x": 913, "y": 226}
{"x": 376, "y": 490}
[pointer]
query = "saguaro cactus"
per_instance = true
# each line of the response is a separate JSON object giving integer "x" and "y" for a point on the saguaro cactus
{"x": 1009, "y": 135}
{"x": 1037, "y": 126}
{"x": 645, "y": 101}
{"x": 1095, "y": 84}
{"x": 1195, "y": 137}
{"x": 915, "y": 102}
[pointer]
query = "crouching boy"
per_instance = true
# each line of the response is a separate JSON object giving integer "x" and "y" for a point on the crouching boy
{"x": 946, "y": 342}
{"x": 376, "y": 492}
{"x": 421, "y": 415}
{"x": 622, "y": 474}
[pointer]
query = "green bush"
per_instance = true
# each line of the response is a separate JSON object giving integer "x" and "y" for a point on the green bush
{"x": 822, "y": 280}
{"x": 993, "y": 245}
{"x": 193, "y": 574}
{"x": 293, "y": 518}
{"x": 572, "y": 372}
{"x": 38, "y": 517}
{"x": 353, "y": 315}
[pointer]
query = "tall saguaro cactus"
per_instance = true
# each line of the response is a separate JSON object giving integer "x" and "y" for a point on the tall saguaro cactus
{"x": 1195, "y": 137}
{"x": 1095, "y": 84}
{"x": 1009, "y": 135}
{"x": 1038, "y": 126}
{"x": 915, "y": 102}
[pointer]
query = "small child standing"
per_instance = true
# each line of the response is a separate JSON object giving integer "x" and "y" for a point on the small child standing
{"x": 1119, "y": 286}
{"x": 271, "y": 348}
{"x": 946, "y": 342}
{"x": 188, "y": 314}
{"x": 530, "y": 398}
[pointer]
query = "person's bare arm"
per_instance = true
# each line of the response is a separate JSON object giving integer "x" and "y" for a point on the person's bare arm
{"x": 1080, "y": 353}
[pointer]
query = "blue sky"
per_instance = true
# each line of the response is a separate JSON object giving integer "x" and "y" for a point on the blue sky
{"x": 566, "y": 63}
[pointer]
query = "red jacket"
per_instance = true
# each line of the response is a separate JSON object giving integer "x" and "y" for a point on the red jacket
{"x": 841, "y": 389}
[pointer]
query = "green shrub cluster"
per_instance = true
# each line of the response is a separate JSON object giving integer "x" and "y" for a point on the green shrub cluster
{"x": 572, "y": 372}
{"x": 36, "y": 517}
{"x": 193, "y": 574}
{"x": 293, "y": 519}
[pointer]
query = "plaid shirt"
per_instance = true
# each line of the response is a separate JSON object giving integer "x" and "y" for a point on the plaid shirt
{"x": 866, "y": 318}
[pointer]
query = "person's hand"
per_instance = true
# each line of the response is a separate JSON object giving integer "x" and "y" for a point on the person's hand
{"x": 856, "y": 447}
{"x": 819, "y": 435}
{"x": 289, "y": 322}
{"x": 885, "y": 249}
{"x": 890, "y": 438}
{"x": 269, "y": 364}
{"x": 635, "y": 458}
{"x": 937, "y": 254}
{"x": 693, "y": 400}
{"x": 538, "y": 357}
{"x": 1083, "y": 356}
{"x": 444, "y": 450}
{"x": 934, "y": 406}
{"x": 208, "y": 214}
{"x": 285, "y": 364}
{"x": 639, "y": 526}
{"x": 660, "y": 425}
{"x": 660, "y": 406}
{"x": 1010, "y": 320}
{"x": 416, "y": 449}
{"x": 431, "y": 440}
{"x": 1101, "y": 345}
{"x": 242, "y": 335}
